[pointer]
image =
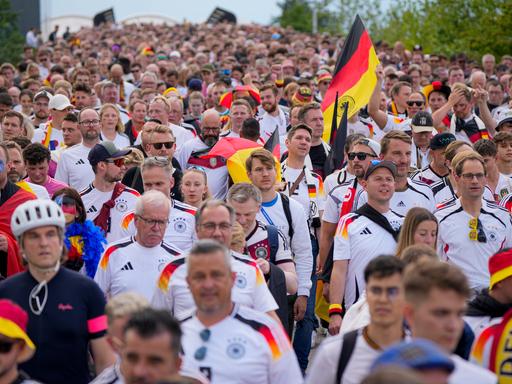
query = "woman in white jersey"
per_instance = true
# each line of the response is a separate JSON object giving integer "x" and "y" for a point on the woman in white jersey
{"x": 112, "y": 128}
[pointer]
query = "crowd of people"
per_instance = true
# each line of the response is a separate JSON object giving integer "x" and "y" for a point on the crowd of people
{"x": 129, "y": 254}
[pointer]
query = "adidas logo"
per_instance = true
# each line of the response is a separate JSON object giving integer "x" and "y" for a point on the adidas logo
{"x": 366, "y": 231}
{"x": 81, "y": 161}
{"x": 127, "y": 267}
{"x": 92, "y": 209}
{"x": 401, "y": 204}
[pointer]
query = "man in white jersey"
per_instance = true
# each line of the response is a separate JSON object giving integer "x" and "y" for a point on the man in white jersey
{"x": 157, "y": 175}
{"x": 50, "y": 134}
{"x": 272, "y": 116}
{"x": 108, "y": 202}
{"x": 193, "y": 153}
{"x": 134, "y": 263}
{"x": 239, "y": 112}
{"x": 73, "y": 167}
{"x": 471, "y": 229}
{"x": 340, "y": 199}
{"x": 370, "y": 231}
{"x": 499, "y": 184}
{"x": 396, "y": 147}
{"x": 435, "y": 295}
{"x": 214, "y": 220}
{"x": 385, "y": 297}
{"x": 226, "y": 342}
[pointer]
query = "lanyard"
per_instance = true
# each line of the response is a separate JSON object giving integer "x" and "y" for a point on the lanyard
{"x": 268, "y": 204}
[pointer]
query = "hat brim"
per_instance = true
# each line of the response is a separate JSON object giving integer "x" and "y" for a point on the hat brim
{"x": 61, "y": 108}
{"x": 121, "y": 153}
{"x": 419, "y": 129}
{"x": 507, "y": 120}
{"x": 12, "y": 330}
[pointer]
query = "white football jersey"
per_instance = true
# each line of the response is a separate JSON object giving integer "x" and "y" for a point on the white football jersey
{"x": 74, "y": 168}
{"x": 181, "y": 230}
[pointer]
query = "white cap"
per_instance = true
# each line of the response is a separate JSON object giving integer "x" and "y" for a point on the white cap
{"x": 505, "y": 117}
{"x": 59, "y": 102}
{"x": 175, "y": 54}
{"x": 374, "y": 146}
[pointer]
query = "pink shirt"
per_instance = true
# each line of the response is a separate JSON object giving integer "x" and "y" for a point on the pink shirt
{"x": 52, "y": 185}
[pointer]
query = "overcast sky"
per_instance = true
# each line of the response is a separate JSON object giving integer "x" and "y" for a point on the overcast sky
{"x": 259, "y": 11}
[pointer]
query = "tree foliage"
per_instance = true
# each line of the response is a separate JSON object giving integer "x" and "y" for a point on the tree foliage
{"x": 11, "y": 41}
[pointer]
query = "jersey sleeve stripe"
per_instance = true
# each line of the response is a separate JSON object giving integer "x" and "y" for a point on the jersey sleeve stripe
{"x": 185, "y": 208}
{"x": 110, "y": 250}
{"x": 127, "y": 220}
{"x": 165, "y": 276}
{"x": 98, "y": 324}
{"x": 342, "y": 229}
{"x": 266, "y": 333}
{"x": 132, "y": 191}
{"x": 170, "y": 249}
{"x": 259, "y": 276}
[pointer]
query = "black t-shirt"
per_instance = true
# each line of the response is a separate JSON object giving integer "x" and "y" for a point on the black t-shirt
{"x": 72, "y": 312}
{"x": 318, "y": 158}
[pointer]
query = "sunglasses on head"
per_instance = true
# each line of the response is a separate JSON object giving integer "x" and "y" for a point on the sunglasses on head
{"x": 6, "y": 346}
{"x": 117, "y": 162}
{"x": 360, "y": 155}
{"x": 417, "y": 103}
{"x": 167, "y": 145}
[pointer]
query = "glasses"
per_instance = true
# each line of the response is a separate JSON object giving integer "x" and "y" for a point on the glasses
{"x": 415, "y": 102}
{"x": 200, "y": 354}
{"x": 390, "y": 292}
{"x": 117, "y": 162}
{"x": 167, "y": 145}
{"x": 89, "y": 122}
{"x": 197, "y": 168}
{"x": 360, "y": 155}
{"x": 477, "y": 231}
{"x": 153, "y": 222}
{"x": 6, "y": 346}
{"x": 471, "y": 176}
{"x": 210, "y": 227}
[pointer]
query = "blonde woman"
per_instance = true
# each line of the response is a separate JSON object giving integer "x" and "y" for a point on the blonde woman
{"x": 112, "y": 128}
{"x": 194, "y": 187}
{"x": 419, "y": 227}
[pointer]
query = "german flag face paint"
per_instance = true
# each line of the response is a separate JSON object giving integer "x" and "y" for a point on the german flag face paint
{"x": 68, "y": 206}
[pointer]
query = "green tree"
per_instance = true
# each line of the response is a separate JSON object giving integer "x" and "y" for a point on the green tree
{"x": 11, "y": 40}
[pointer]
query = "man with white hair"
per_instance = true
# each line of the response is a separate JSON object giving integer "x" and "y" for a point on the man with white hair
{"x": 133, "y": 264}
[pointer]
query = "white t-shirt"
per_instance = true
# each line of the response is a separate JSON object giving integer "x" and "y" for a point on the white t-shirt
{"x": 395, "y": 123}
{"x": 336, "y": 178}
{"x": 246, "y": 347}
{"x": 416, "y": 195}
{"x": 465, "y": 373}
{"x": 426, "y": 176}
{"x": 74, "y": 168}
{"x": 250, "y": 289}
{"x": 268, "y": 124}
{"x": 272, "y": 212}
{"x": 419, "y": 159}
{"x": 257, "y": 245}
{"x": 359, "y": 240}
{"x": 215, "y": 168}
{"x": 181, "y": 230}
{"x": 127, "y": 266}
{"x": 121, "y": 223}
{"x": 181, "y": 135}
{"x": 336, "y": 198}
{"x": 120, "y": 140}
{"x": 56, "y": 138}
{"x": 444, "y": 193}
{"x": 325, "y": 363}
{"x": 455, "y": 246}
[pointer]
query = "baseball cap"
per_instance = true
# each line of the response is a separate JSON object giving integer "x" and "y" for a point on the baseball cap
{"x": 506, "y": 117}
{"x": 416, "y": 354}
{"x": 500, "y": 266}
{"x": 441, "y": 140}
{"x": 195, "y": 84}
{"x": 104, "y": 151}
{"x": 422, "y": 122}
{"x": 13, "y": 324}
{"x": 46, "y": 94}
{"x": 59, "y": 102}
{"x": 376, "y": 164}
{"x": 208, "y": 68}
{"x": 175, "y": 54}
{"x": 374, "y": 146}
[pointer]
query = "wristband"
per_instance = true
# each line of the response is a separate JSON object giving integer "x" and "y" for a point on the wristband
{"x": 279, "y": 83}
{"x": 335, "y": 309}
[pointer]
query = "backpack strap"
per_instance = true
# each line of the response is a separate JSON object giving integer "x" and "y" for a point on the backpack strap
{"x": 273, "y": 242}
{"x": 288, "y": 213}
{"x": 347, "y": 348}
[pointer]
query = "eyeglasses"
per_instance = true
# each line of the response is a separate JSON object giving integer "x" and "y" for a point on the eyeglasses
{"x": 117, "y": 162}
{"x": 210, "y": 227}
{"x": 360, "y": 155}
{"x": 415, "y": 102}
{"x": 471, "y": 176}
{"x": 152, "y": 222}
{"x": 390, "y": 292}
{"x": 200, "y": 354}
{"x": 6, "y": 346}
{"x": 477, "y": 231}
{"x": 168, "y": 145}
{"x": 89, "y": 122}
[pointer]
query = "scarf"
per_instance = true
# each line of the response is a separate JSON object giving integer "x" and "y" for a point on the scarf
{"x": 474, "y": 128}
{"x": 484, "y": 305}
{"x": 102, "y": 220}
{"x": 378, "y": 218}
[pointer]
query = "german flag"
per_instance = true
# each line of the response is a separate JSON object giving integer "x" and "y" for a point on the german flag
{"x": 354, "y": 76}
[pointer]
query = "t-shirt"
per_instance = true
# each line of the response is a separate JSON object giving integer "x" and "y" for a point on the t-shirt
{"x": 336, "y": 198}
{"x": 52, "y": 185}
{"x": 181, "y": 135}
{"x": 426, "y": 176}
{"x": 419, "y": 159}
{"x": 120, "y": 140}
{"x": 503, "y": 188}
{"x": 455, "y": 246}
{"x": 272, "y": 212}
{"x": 56, "y": 138}
{"x": 72, "y": 313}
{"x": 318, "y": 156}
{"x": 359, "y": 240}
{"x": 269, "y": 123}
{"x": 466, "y": 372}
{"x": 120, "y": 223}
{"x": 215, "y": 168}
{"x": 39, "y": 191}
{"x": 74, "y": 168}
{"x": 444, "y": 193}
{"x": 245, "y": 347}
{"x": 416, "y": 195}
{"x": 128, "y": 266}
{"x": 336, "y": 178}
{"x": 250, "y": 289}
{"x": 181, "y": 230}
{"x": 257, "y": 245}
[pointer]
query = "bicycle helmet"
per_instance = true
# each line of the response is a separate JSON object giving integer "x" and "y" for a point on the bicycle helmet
{"x": 36, "y": 213}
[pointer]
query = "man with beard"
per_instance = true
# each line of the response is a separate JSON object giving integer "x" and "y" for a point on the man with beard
{"x": 193, "y": 153}
{"x": 73, "y": 167}
{"x": 272, "y": 117}
{"x": 108, "y": 202}
{"x": 82, "y": 96}
{"x": 40, "y": 108}
{"x": 12, "y": 125}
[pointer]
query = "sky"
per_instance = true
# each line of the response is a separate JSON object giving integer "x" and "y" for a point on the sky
{"x": 260, "y": 11}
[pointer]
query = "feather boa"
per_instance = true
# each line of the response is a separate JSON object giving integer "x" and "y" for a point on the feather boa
{"x": 91, "y": 245}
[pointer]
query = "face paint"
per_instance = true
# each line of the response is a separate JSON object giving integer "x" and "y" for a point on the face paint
{"x": 68, "y": 206}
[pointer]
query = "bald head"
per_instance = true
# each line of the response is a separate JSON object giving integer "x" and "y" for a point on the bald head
{"x": 478, "y": 79}
{"x": 210, "y": 127}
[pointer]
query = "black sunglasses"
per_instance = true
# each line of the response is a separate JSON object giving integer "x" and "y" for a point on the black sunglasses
{"x": 167, "y": 145}
{"x": 6, "y": 346}
{"x": 415, "y": 102}
{"x": 200, "y": 354}
{"x": 360, "y": 155}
